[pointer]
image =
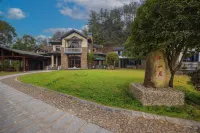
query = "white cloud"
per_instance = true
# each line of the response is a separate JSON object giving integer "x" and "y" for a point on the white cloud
{"x": 85, "y": 27}
{"x": 54, "y": 30}
{"x": 41, "y": 37}
{"x": 74, "y": 12}
{"x": 15, "y": 13}
{"x": 83, "y": 7}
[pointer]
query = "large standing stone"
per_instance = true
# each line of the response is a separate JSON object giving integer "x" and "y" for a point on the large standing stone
{"x": 157, "y": 72}
{"x": 155, "y": 90}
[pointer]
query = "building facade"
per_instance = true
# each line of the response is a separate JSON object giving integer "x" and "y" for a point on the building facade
{"x": 70, "y": 52}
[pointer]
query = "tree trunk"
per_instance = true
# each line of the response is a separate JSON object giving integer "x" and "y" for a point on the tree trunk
{"x": 171, "y": 81}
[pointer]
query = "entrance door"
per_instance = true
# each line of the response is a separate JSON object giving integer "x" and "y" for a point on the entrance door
{"x": 74, "y": 61}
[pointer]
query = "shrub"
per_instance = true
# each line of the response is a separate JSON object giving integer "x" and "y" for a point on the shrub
{"x": 111, "y": 59}
{"x": 90, "y": 59}
{"x": 5, "y": 65}
{"x": 195, "y": 79}
{"x": 16, "y": 65}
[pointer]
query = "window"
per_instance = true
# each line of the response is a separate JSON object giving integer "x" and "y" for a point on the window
{"x": 57, "y": 48}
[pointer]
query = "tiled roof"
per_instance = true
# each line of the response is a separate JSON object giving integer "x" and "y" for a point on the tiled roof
{"x": 71, "y": 32}
{"x": 47, "y": 48}
{"x": 22, "y": 52}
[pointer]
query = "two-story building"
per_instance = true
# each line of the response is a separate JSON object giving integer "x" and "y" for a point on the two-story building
{"x": 70, "y": 52}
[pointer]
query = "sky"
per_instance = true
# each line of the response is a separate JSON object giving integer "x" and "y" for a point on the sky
{"x": 42, "y": 18}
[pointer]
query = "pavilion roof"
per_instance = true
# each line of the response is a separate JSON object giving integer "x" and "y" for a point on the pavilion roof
{"x": 22, "y": 52}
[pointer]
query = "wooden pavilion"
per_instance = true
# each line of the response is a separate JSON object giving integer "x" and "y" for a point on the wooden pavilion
{"x": 29, "y": 60}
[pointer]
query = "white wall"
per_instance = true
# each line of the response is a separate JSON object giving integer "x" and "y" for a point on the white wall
{"x": 54, "y": 47}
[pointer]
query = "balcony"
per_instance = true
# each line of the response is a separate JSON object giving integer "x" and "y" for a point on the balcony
{"x": 73, "y": 50}
{"x": 190, "y": 66}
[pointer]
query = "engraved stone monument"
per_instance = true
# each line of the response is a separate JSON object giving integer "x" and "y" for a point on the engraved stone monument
{"x": 155, "y": 90}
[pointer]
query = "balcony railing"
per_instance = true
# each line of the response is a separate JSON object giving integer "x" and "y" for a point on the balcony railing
{"x": 73, "y": 50}
{"x": 190, "y": 65}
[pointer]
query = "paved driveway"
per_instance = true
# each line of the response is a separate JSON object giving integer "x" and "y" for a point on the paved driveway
{"x": 24, "y": 114}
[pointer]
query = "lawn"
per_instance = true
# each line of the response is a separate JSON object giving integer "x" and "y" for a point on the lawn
{"x": 7, "y": 73}
{"x": 111, "y": 88}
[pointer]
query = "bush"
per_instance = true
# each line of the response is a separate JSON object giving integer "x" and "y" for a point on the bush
{"x": 195, "y": 79}
{"x": 111, "y": 59}
{"x": 16, "y": 65}
{"x": 90, "y": 60}
{"x": 6, "y": 65}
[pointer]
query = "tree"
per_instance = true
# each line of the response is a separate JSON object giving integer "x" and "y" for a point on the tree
{"x": 133, "y": 51}
{"x": 42, "y": 41}
{"x": 112, "y": 27}
{"x": 85, "y": 30}
{"x": 7, "y": 33}
{"x": 111, "y": 59}
{"x": 94, "y": 27}
{"x": 27, "y": 43}
{"x": 57, "y": 35}
{"x": 170, "y": 25}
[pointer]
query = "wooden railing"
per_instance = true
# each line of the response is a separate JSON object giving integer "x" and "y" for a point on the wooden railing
{"x": 73, "y": 50}
{"x": 190, "y": 65}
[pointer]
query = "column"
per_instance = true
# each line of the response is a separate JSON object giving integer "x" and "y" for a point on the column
{"x": 52, "y": 60}
{"x": 24, "y": 63}
{"x": 2, "y": 56}
{"x": 43, "y": 65}
{"x": 199, "y": 56}
{"x": 56, "y": 61}
{"x": 119, "y": 63}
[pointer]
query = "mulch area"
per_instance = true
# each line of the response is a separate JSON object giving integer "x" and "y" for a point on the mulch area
{"x": 116, "y": 122}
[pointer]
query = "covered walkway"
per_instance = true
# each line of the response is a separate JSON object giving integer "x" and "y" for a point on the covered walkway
{"x": 28, "y": 60}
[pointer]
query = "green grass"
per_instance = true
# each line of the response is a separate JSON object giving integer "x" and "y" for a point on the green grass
{"x": 7, "y": 73}
{"x": 111, "y": 88}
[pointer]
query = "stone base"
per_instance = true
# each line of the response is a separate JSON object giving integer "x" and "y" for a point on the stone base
{"x": 157, "y": 96}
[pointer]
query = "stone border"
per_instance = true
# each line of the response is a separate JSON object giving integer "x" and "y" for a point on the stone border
{"x": 179, "y": 121}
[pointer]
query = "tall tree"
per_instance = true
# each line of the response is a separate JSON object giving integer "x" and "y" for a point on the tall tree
{"x": 85, "y": 31}
{"x": 133, "y": 51}
{"x": 170, "y": 25}
{"x": 57, "y": 35}
{"x": 27, "y": 43}
{"x": 94, "y": 27}
{"x": 7, "y": 33}
{"x": 112, "y": 27}
{"x": 42, "y": 41}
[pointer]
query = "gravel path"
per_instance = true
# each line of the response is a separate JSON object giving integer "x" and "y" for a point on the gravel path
{"x": 116, "y": 121}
